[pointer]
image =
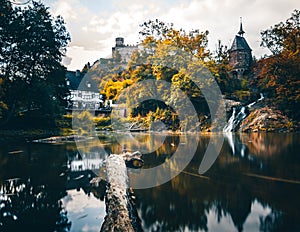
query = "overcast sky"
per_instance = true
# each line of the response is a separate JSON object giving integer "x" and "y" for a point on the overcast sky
{"x": 94, "y": 24}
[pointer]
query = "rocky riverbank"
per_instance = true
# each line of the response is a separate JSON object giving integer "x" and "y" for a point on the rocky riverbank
{"x": 267, "y": 119}
{"x": 257, "y": 116}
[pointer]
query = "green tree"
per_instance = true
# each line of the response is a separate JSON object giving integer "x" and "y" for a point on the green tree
{"x": 3, "y": 106}
{"x": 33, "y": 44}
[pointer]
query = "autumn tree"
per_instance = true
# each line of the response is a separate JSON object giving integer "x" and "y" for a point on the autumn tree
{"x": 173, "y": 56}
{"x": 279, "y": 74}
{"x": 223, "y": 78}
{"x": 32, "y": 46}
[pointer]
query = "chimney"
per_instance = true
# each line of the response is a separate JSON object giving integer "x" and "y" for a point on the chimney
{"x": 77, "y": 73}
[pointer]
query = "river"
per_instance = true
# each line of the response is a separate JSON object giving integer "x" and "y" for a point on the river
{"x": 253, "y": 185}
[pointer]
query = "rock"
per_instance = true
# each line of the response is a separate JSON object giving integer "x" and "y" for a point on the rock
{"x": 133, "y": 160}
{"x": 231, "y": 103}
{"x": 266, "y": 119}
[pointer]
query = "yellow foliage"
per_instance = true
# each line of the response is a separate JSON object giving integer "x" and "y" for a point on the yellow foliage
{"x": 113, "y": 88}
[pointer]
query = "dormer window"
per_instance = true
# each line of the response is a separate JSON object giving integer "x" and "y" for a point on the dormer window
{"x": 68, "y": 82}
{"x": 88, "y": 84}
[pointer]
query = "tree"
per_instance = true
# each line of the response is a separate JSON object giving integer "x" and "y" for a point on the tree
{"x": 155, "y": 29}
{"x": 86, "y": 67}
{"x": 3, "y": 106}
{"x": 279, "y": 74}
{"x": 284, "y": 36}
{"x": 33, "y": 44}
{"x": 193, "y": 42}
{"x": 221, "y": 58}
{"x": 168, "y": 56}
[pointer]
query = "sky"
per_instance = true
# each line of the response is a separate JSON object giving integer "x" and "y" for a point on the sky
{"x": 94, "y": 24}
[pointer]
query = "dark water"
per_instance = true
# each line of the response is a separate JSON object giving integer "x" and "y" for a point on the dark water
{"x": 254, "y": 184}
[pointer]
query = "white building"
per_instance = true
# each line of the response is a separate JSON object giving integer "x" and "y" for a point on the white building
{"x": 84, "y": 93}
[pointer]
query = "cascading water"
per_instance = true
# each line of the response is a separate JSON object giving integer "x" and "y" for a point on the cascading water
{"x": 236, "y": 118}
{"x": 260, "y": 99}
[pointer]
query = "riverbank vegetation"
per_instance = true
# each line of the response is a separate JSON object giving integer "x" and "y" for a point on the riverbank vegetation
{"x": 176, "y": 56}
{"x": 32, "y": 79}
{"x": 33, "y": 91}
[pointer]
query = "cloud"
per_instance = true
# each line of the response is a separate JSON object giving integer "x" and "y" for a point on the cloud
{"x": 80, "y": 56}
{"x": 65, "y": 9}
{"x": 94, "y": 24}
{"x": 66, "y": 60}
{"x": 221, "y": 18}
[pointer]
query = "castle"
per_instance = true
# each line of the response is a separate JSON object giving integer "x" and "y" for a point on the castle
{"x": 240, "y": 55}
{"x": 123, "y": 51}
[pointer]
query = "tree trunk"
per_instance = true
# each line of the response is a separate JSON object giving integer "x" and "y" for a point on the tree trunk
{"x": 121, "y": 213}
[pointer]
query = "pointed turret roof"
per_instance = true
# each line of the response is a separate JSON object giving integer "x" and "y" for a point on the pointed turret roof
{"x": 239, "y": 42}
{"x": 241, "y": 32}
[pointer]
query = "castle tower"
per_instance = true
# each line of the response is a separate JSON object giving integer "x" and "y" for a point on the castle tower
{"x": 121, "y": 52}
{"x": 240, "y": 56}
{"x": 119, "y": 42}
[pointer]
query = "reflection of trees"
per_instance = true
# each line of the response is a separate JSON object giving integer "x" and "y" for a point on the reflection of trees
{"x": 272, "y": 223}
{"x": 162, "y": 153}
{"x": 184, "y": 202}
{"x": 31, "y": 207}
{"x": 267, "y": 144}
{"x": 32, "y": 202}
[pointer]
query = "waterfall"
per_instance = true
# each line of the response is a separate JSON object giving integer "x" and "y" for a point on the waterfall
{"x": 229, "y": 125}
{"x": 236, "y": 118}
{"x": 258, "y": 100}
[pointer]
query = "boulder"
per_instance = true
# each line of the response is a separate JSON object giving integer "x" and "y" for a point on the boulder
{"x": 266, "y": 119}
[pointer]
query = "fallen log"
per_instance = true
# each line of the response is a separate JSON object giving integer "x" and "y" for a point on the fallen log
{"x": 121, "y": 214}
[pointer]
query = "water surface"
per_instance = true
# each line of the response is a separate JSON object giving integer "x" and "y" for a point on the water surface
{"x": 254, "y": 184}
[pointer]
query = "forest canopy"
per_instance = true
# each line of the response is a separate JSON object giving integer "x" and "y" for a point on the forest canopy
{"x": 32, "y": 78}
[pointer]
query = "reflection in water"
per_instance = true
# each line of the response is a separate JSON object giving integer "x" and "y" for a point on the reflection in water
{"x": 86, "y": 210}
{"x": 25, "y": 204}
{"x": 47, "y": 195}
{"x": 253, "y": 185}
{"x": 190, "y": 202}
